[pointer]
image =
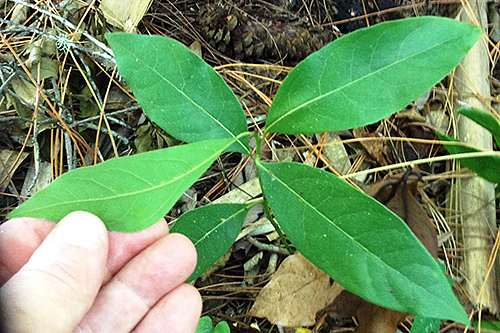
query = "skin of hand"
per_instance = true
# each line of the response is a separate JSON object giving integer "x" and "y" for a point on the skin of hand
{"x": 75, "y": 276}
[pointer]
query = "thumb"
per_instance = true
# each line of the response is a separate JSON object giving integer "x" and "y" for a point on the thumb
{"x": 54, "y": 290}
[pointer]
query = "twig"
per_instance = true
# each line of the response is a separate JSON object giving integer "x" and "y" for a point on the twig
{"x": 108, "y": 115}
{"x": 88, "y": 74}
{"x": 68, "y": 24}
{"x": 6, "y": 81}
{"x": 273, "y": 263}
{"x": 267, "y": 247}
{"x": 70, "y": 152}
{"x": 34, "y": 140}
{"x": 7, "y": 119}
{"x": 22, "y": 28}
{"x": 115, "y": 134}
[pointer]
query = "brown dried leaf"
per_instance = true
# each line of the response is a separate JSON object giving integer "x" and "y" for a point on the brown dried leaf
{"x": 296, "y": 292}
{"x": 399, "y": 196}
{"x": 377, "y": 149}
{"x": 9, "y": 162}
{"x": 371, "y": 318}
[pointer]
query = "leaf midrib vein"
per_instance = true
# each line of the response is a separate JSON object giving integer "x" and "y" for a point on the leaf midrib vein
{"x": 184, "y": 94}
{"x": 152, "y": 188}
{"x": 290, "y": 112}
{"x": 346, "y": 234}
{"x": 224, "y": 221}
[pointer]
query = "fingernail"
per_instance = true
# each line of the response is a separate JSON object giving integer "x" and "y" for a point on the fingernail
{"x": 80, "y": 229}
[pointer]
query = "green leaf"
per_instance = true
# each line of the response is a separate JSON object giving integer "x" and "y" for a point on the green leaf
{"x": 178, "y": 90}
{"x": 369, "y": 74}
{"x": 128, "y": 193}
{"x": 425, "y": 325}
{"x": 88, "y": 107}
{"x": 212, "y": 229}
{"x": 357, "y": 241}
{"x": 485, "y": 166}
{"x": 490, "y": 325}
{"x": 205, "y": 326}
{"x": 222, "y": 327}
{"x": 143, "y": 138}
{"x": 48, "y": 68}
{"x": 430, "y": 325}
{"x": 485, "y": 119}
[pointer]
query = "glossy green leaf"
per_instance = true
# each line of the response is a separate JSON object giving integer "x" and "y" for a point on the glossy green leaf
{"x": 178, "y": 90}
{"x": 212, "y": 229}
{"x": 486, "y": 167}
{"x": 485, "y": 119}
{"x": 357, "y": 241}
{"x": 128, "y": 193}
{"x": 369, "y": 74}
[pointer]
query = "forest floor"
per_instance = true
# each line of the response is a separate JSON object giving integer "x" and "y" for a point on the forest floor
{"x": 75, "y": 87}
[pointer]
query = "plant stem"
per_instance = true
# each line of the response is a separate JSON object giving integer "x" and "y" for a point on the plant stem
{"x": 276, "y": 225}
{"x": 423, "y": 161}
{"x": 258, "y": 142}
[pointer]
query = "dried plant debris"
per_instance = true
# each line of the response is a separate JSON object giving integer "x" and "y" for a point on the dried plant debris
{"x": 299, "y": 290}
{"x": 371, "y": 318}
{"x": 252, "y": 33}
{"x": 296, "y": 292}
{"x": 53, "y": 88}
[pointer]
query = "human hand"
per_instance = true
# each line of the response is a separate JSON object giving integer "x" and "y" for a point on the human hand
{"x": 76, "y": 276}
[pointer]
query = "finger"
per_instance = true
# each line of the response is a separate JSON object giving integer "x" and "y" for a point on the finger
{"x": 19, "y": 238}
{"x": 179, "y": 311}
{"x": 125, "y": 246}
{"x": 57, "y": 286}
{"x": 132, "y": 292}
